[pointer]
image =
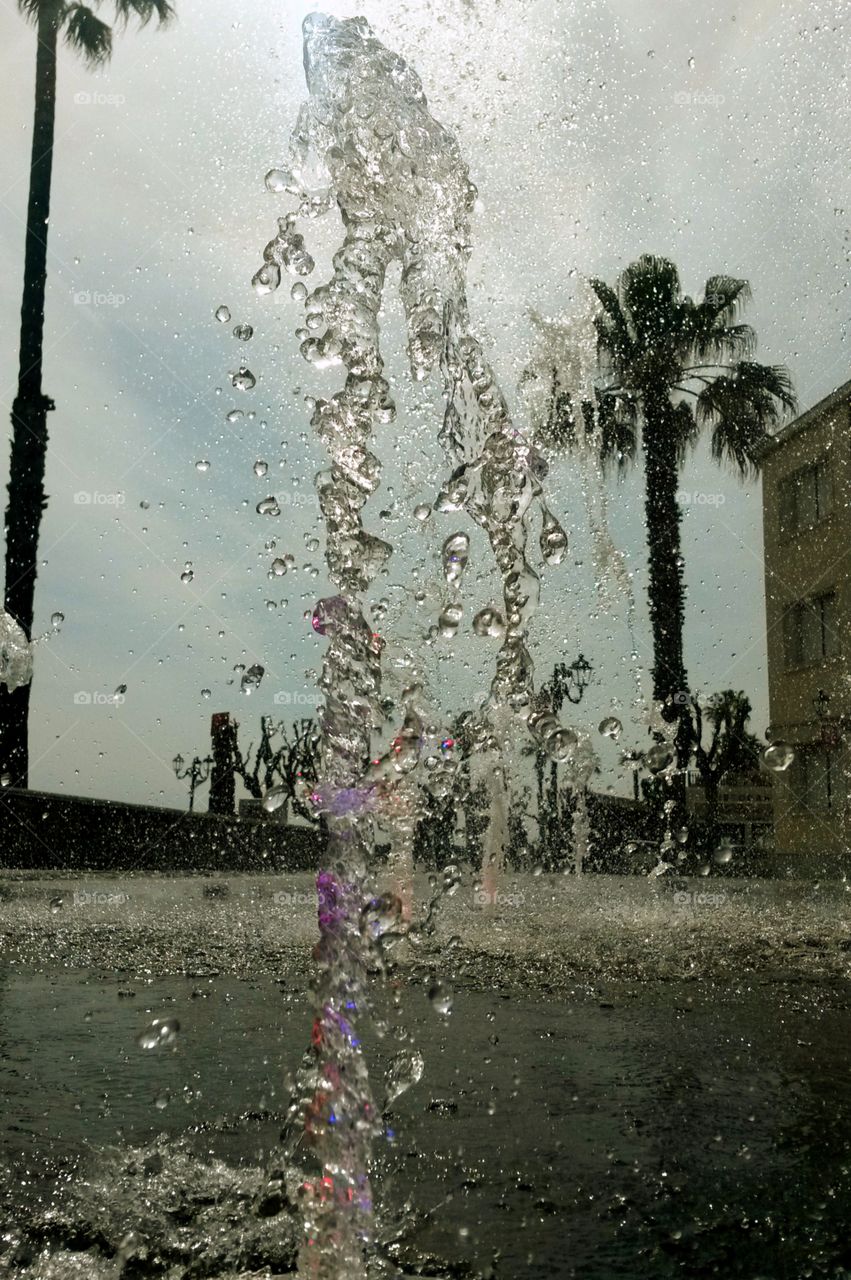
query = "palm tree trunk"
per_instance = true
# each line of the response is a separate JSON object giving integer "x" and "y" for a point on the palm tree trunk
{"x": 27, "y": 498}
{"x": 666, "y": 589}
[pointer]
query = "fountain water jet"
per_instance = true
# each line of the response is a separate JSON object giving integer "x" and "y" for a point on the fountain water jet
{"x": 366, "y": 141}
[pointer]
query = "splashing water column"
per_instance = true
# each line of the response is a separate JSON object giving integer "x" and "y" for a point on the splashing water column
{"x": 365, "y": 140}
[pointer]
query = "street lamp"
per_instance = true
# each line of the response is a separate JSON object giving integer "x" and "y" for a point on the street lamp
{"x": 570, "y": 681}
{"x": 821, "y": 704}
{"x": 197, "y": 772}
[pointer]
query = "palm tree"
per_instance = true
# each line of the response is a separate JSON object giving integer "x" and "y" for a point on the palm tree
{"x": 732, "y": 750}
{"x": 91, "y": 38}
{"x": 671, "y": 367}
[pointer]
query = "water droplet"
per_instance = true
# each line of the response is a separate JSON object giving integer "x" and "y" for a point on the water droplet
{"x": 234, "y": 415}
{"x": 454, "y": 554}
{"x": 267, "y": 279}
{"x": 202, "y": 465}
{"x": 489, "y": 622}
{"x": 274, "y": 798}
{"x": 279, "y": 567}
{"x": 161, "y": 1033}
{"x": 442, "y": 998}
{"x": 5, "y": 779}
{"x": 422, "y": 511}
{"x": 222, "y": 314}
{"x": 56, "y": 905}
{"x": 244, "y": 380}
{"x": 260, "y": 467}
{"x": 268, "y": 507}
{"x": 659, "y": 757}
{"x": 560, "y": 744}
{"x": 723, "y": 854}
{"x": 611, "y": 727}
{"x": 188, "y": 573}
{"x": 406, "y": 1069}
{"x": 553, "y": 540}
{"x": 251, "y": 678}
{"x": 56, "y": 620}
{"x": 450, "y": 617}
{"x": 778, "y": 757}
{"x": 276, "y": 180}
{"x": 206, "y": 693}
{"x": 244, "y": 332}
{"x": 381, "y": 914}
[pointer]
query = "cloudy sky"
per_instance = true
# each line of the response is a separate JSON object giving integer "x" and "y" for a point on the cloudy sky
{"x": 713, "y": 133}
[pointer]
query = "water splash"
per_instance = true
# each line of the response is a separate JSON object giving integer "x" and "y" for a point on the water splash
{"x": 365, "y": 141}
{"x": 16, "y": 653}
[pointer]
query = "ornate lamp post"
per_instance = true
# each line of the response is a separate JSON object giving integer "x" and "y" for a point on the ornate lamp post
{"x": 570, "y": 681}
{"x": 197, "y": 772}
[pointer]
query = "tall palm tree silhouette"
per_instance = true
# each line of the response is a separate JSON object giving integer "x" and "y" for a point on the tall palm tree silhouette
{"x": 671, "y": 367}
{"x": 88, "y": 36}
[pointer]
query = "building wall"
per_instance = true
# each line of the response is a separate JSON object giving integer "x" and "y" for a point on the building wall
{"x": 801, "y": 565}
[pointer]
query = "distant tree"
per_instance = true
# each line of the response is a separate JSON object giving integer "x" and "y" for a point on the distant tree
{"x": 285, "y": 756}
{"x": 726, "y": 752}
{"x": 91, "y": 38}
{"x": 671, "y": 366}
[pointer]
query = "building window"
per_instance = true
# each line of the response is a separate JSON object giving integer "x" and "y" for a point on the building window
{"x": 817, "y": 778}
{"x": 806, "y": 497}
{"x": 809, "y": 630}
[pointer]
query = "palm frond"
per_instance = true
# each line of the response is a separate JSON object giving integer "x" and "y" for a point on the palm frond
{"x": 649, "y": 291}
{"x": 726, "y": 295}
{"x": 144, "y": 10}
{"x": 613, "y": 334}
{"x": 617, "y": 418}
{"x": 87, "y": 35}
{"x": 742, "y": 408}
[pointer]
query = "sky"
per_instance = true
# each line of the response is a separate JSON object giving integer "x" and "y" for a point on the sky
{"x": 595, "y": 130}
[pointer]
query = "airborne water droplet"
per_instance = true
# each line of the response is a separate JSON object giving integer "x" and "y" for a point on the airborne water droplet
{"x": 454, "y": 555}
{"x": 56, "y": 620}
{"x": 268, "y": 507}
{"x": 778, "y": 757}
{"x": 276, "y": 180}
{"x": 244, "y": 380}
{"x": 244, "y": 332}
{"x": 251, "y": 678}
{"x": 406, "y": 1069}
{"x": 659, "y": 757}
{"x": 274, "y": 798}
{"x": 611, "y": 727}
{"x": 161, "y": 1033}
{"x": 222, "y": 314}
{"x": 441, "y": 997}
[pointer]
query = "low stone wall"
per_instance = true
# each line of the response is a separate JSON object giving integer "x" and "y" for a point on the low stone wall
{"x": 40, "y": 830}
